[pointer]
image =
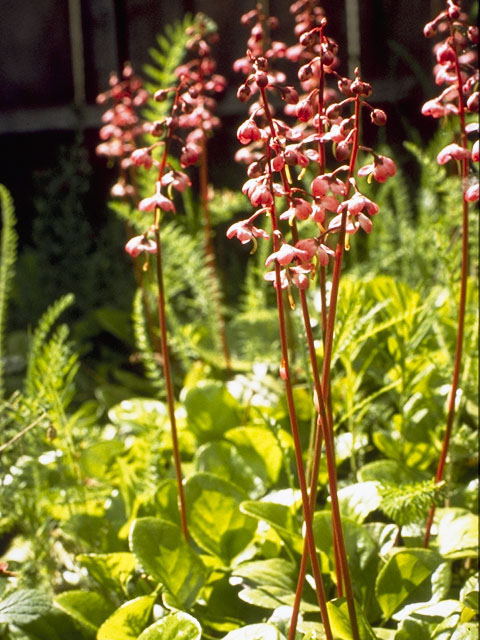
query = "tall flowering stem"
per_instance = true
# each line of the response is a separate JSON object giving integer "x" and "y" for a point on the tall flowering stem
{"x": 274, "y": 151}
{"x": 456, "y": 68}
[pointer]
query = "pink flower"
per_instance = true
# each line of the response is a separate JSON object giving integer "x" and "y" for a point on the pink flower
{"x": 381, "y": 169}
{"x": 300, "y": 209}
{"x": 142, "y": 157}
{"x": 304, "y": 110}
{"x": 179, "y": 180}
{"x": 471, "y": 194}
{"x": 137, "y": 244}
{"x": 313, "y": 247}
{"x": 261, "y": 196}
{"x": 296, "y": 275}
{"x": 245, "y": 231}
{"x": 452, "y": 151}
{"x": 321, "y": 206}
{"x": 433, "y": 108}
{"x": 358, "y": 203}
{"x": 157, "y": 200}
{"x": 286, "y": 254}
{"x": 248, "y": 132}
{"x": 475, "y": 152}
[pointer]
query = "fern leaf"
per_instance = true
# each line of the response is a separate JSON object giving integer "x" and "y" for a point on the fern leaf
{"x": 7, "y": 263}
{"x": 39, "y": 337}
{"x": 142, "y": 340}
{"x": 409, "y": 503}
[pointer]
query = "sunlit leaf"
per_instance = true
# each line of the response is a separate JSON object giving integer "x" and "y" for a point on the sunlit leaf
{"x": 88, "y": 608}
{"x": 175, "y": 626}
{"x": 127, "y": 622}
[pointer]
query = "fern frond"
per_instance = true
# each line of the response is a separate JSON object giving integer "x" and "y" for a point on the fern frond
{"x": 39, "y": 337}
{"x": 142, "y": 340}
{"x": 7, "y": 263}
{"x": 409, "y": 503}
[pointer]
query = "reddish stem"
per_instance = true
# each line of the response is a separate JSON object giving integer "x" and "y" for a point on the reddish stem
{"x": 462, "y": 299}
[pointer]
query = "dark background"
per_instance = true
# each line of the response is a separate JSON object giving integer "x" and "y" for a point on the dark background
{"x": 56, "y": 56}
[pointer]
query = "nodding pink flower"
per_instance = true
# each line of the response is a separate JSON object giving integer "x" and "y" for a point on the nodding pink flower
{"x": 296, "y": 275}
{"x": 142, "y": 157}
{"x": 381, "y": 169}
{"x": 314, "y": 247}
{"x": 179, "y": 180}
{"x": 260, "y": 196}
{"x": 190, "y": 155}
{"x": 452, "y": 151}
{"x": 245, "y": 231}
{"x": 357, "y": 204}
{"x": 120, "y": 189}
{"x": 434, "y": 109}
{"x": 300, "y": 209}
{"x": 475, "y": 152}
{"x": 321, "y": 206}
{"x": 157, "y": 200}
{"x": 248, "y": 132}
{"x": 137, "y": 244}
{"x": 278, "y": 163}
{"x": 286, "y": 254}
{"x": 471, "y": 194}
{"x": 320, "y": 185}
{"x": 352, "y": 223}
{"x": 445, "y": 53}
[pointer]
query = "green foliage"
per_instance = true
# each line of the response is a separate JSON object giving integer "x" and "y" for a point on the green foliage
{"x": 7, "y": 265}
{"x": 410, "y": 502}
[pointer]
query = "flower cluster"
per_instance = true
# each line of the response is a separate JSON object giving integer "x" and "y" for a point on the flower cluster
{"x": 457, "y": 71}
{"x": 278, "y": 153}
{"x": 121, "y": 128}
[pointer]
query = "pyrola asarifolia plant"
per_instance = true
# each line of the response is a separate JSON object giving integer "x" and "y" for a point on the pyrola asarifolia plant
{"x": 326, "y": 132}
{"x": 457, "y": 71}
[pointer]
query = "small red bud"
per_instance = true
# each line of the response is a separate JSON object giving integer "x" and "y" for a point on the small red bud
{"x": 344, "y": 86}
{"x": 160, "y": 95}
{"x": 333, "y": 111}
{"x": 378, "y": 117}
{"x": 261, "y": 63}
{"x": 305, "y": 73}
{"x": 429, "y": 30}
{"x": 254, "y": 170}
{"x": 157, "y": 128}
{"x": 473, "y": 34}
{"x": 243, "y": 92}
{"x": 261, "y": 79}
{"x": 307, "y": 39}
{"x": 342, "y": 152}
{"x": 328, "y": 58}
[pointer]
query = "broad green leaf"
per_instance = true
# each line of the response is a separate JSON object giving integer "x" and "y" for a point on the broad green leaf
{"x": 24, "y": 606}
{"x": 88, "y": 608}
{"x": 140, "y": 413}
{"x": 470, "y": 592}
{"x": 264, "y": 443}
{"x": 128, "y": 621}
{"x": 96, "y": 460}
{"x": 166, "y": 501}
{"x": 358, "y": 500}
{"x": 224, "y": 460}
{"x": 262, "y": 631}
{"x": 362, "y": 552}
{"x": 216, "y": 523}
{"x": 340, "y": 621}
{"x": 274, "y": 571}
{"x": 281, "y": 517}
{"x": 53, "y": 625}
{"x": 110, "y": 570}
{"x": 410, "y": 629}
{"x": 271, "y": 597}
{"x": 389, "y": 471}
{"x": 466, "y": 631}
{"x": 175, "y": 626}
{"x": 404, "y": 571}
{"x": 211, "y": 410}
{"x": 458, "y": 534}
{"x": 161, "y": 550}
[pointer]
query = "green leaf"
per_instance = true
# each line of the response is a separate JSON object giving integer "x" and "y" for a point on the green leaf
{"x": 88, "y": 608}
{"x": 225, "y": 461}
{"x": 362, "y": 552}
{"x": 281, "y": 517}
{"x": 96, "y": 460}
{"x": 340, "y": 621}
{"x": 458, "y": 534}
{"x": 274, "y": 571}
{"x": 128, "y": 621}
{"x": 404, "y": 571}
{"x": 389, "y": 471}
{"x": 110, "y": 570}
{"x": 24, "y": 606}
{"x": 264, "y": 443}
{"x": 358, "y": 500}
{"x": 466, "y": 631}
{"x": 211, "y": 410}
{"x": 175, "y": 626}
{"x": 162, "y": 551}
{"x": 262, "y": 631}
{"x": 216, "y": 523}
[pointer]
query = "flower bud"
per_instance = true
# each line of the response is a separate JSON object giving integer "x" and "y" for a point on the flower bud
{"x": 307, "y": 39}
{"x": 261, "y": 63}
{"x": 157, "y": 128}
{"x": 344, "y": 86}
{"x": 342, "y": 152}
{"x": 160, "y": 95}
{"x": 429, "y": 30}
{"x": 472, "y": 102}
{"x": 333, "y": 111}
{"x": 328, "y": 58}
{"x": 304, "y": 110}
{"x": 290, "y": 95}
{"x": 254, "y": 170}
{"x": 453, "y": 11}
{"x": 305, "y": 73}
{"x": 243, "y": 92}
{"x": 378, "y": 117}
{"x": 472, "y": 33}
{"x": 261, "y": 79}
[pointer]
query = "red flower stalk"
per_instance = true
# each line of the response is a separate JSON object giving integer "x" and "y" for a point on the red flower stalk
{"x": 456, "y": 68}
